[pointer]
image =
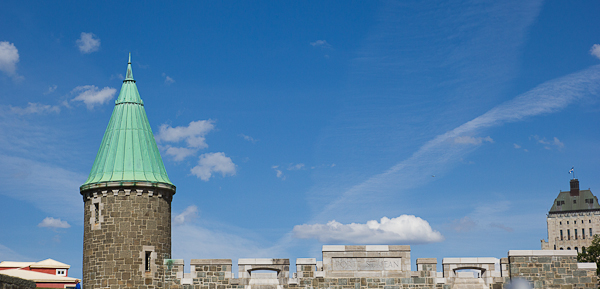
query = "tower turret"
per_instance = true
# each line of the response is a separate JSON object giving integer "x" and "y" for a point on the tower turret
{"x": 127, "y": 199}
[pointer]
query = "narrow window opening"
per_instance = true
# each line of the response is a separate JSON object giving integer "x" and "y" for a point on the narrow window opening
{"x": 582, "y": 233}
{"x": 575, "y": 234}
{"x": 583, "y": 250}
{"x": 96, "y": 213}
{"x": 567, "y": 222}
{"x": 554, "y": 247}
{"x": 574, "y": 201}
{"x": 561, "y": 248}
{"x": 568, "y": 248}
{"x": 568, "y": 236}
{"x": 576, "y": 249}
{"x": 147, "y": 261}
{"x": 591, "y": 235}
{"x": 561, "y": 235}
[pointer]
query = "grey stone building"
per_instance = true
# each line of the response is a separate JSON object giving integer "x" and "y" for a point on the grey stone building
{"x": 573, "y": 220}
{"x": 127, "y": 200}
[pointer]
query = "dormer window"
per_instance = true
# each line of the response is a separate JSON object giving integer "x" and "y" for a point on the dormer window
{"x": 574, "y": 201}
{"x": 61, "y": 272}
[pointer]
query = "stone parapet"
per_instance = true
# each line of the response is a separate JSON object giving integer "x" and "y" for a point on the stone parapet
{"x": 551, "y": 269}
{"x": 365, "y": 261}
{"x": 426, "y": 264}
{"x": 10, "y": 282}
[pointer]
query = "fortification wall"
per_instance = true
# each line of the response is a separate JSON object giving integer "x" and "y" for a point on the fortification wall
{"x": 386, "y": 267}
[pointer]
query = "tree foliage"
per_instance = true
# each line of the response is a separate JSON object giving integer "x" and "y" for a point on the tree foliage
{"x": 591, "y": 254}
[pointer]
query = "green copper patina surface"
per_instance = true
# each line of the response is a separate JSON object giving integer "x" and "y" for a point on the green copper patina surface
{"x": 128, "y": 152}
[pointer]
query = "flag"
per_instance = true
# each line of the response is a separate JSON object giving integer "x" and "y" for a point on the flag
{"x": 571, "y": 170}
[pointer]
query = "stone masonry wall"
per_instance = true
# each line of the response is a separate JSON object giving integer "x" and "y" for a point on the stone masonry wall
{"x": 9, "y": 282}
{"x": 121, "y": 224}
{"x": 556, "y": 269}
{"x": 543, "y": 269}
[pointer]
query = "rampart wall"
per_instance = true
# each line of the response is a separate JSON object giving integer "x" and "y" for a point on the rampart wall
{"x": 385, "y": 267}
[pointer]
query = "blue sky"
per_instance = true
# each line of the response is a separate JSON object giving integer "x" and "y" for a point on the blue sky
{"x": 449, "y": 126}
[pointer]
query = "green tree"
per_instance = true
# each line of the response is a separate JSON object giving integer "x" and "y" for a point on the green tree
{"x": 591, "y": 254}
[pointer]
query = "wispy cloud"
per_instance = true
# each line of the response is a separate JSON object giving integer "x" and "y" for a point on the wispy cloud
{"x": 464, "y": 224}
{"x": 210, "y": 163}
{"x": 168, "y": 79}
{"x": 88, "y": 43}
{"x": 180, "y": 153}
{"x": 50, "y": 222}
{"x": 295, "y": 167}
{"x": 35, "y": 108}
{"x": 51, "y": 89}
{"x": 248, "y": 138}
{"x": 472, "y": 140}
{"x": 438, "y": 153}
{"x": 9, "y": 57}
{"x": 189, "y": 214}
{"x": 502, "y": 227}
{"x": 278, "y": 172}
{"x": 320, "y": 43}
{"x": 548, "y": 144}
{"x": 7, "y": 254}
{"x": 401, "y": 230}
{"x": 92, "y": 96}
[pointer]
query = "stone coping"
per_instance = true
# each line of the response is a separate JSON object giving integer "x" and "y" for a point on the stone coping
{"x": 478, "y": 260}
{"x": 210, "y": 262}
{"x": 426, "y": 261}
{"x": 590, "y": 266}
{"x": 523, "y": 253}
{"x": 365, "y": 248}
{"x": 306, "y": 261}
{"x": 263, "y": 261}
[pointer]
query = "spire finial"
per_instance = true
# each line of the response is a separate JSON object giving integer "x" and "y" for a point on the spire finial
{"x": 129, "y": 75}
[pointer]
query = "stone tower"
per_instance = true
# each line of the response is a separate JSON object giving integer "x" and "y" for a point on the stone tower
{"x": 127, "y": 199}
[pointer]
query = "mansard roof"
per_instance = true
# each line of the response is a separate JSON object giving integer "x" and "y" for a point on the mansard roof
{"x": 128, "y": 152}
{"x": 575, "y": 200}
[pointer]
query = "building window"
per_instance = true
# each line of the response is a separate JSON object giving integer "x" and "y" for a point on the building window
{"x": 591, "y": 235}
{"x": 567, "y": 222}
{"x": 582, "y": 233}
{"x": 97, "y": 213}
{"x": 568, "y": 248}
{"x": 574, "y": 201}
{"x": 582, "y": 221}
{"x": 561, "y": 235}
{"x": 560, "y": 223}
{"x": 583, "y": 250}
{"x": 554, "y": 247}
{"x": 576, "y": 249}
{"x": 568, "y": 236}
{"x": 61, "y": 272}
{"x": 590, "y": 221}
{"x": 575, "y": 235}
{"x": 561, "y": 248}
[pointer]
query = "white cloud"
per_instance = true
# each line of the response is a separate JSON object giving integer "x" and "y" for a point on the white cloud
{"x": 295, "y": 167}
{"x": 403, "y": 229}
{"x": 463, "y": 225}
{"x": 168, "y": 79}
{"x": 558, "y": 143}
{"x": 595, "y": 50}
{"x": 91, "y": 96}
{"x": 193, "y": 134}
{"x": 248, "y": 138}
{"x": 320, "y": 43}
{"x": 278, "y": 172}
{"x": 32, "y": 108}
{"x": 9, "y": 56}
{"x": 179, "y": 153}
{"x": 210, "y": 163}
{"x": 50, "y": 222}
{"x": 88, "y": 43}
{"x": 51, "y": 89}
{"x": 186, "y": 216}
{"x": 516, "y": 146}
{"x": 472, "y": 140}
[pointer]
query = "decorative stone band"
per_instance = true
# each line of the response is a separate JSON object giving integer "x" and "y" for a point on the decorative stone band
{"x": 146, "y": 189}
{"x": 126, "y": 184}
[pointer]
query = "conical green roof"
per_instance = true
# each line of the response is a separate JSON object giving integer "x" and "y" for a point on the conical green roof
{"x": 128, "y": 152}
